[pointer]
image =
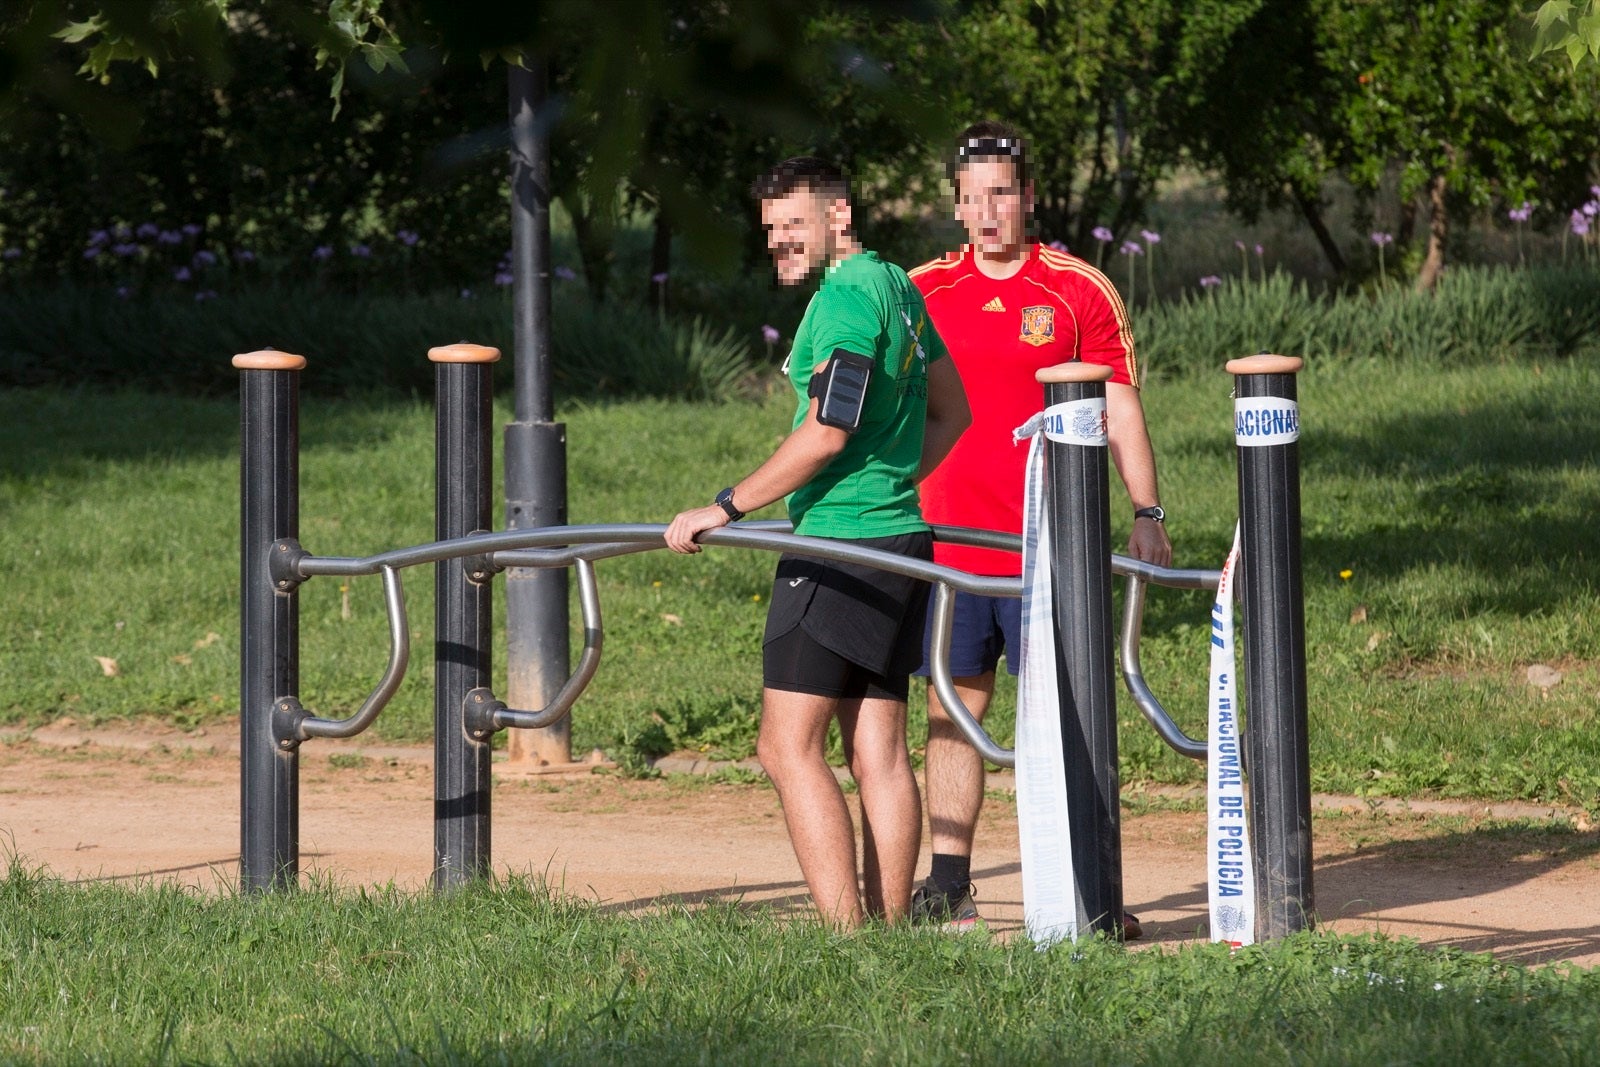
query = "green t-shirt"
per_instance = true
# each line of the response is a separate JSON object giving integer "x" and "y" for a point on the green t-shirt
{"x": 868, "y": 307}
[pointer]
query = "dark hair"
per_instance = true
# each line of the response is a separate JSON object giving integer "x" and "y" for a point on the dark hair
{"x": 802, "y": 172}
{"x": 990, "y": 139}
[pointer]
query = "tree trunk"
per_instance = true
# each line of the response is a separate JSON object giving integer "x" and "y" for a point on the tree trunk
{"x": 1408, "y": 221}
{"x": 1438, "y": 231}
{"x": 660, "y": 260}
{"x": 593, "y": 249}
{"x": 1313, "y": 216}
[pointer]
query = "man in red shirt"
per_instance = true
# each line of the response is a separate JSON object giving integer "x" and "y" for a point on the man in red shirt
{"x": 1006, "y": 307}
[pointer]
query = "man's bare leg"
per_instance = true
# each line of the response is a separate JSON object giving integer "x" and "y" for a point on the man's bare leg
{"x": 954, "y": 769}
{"x": 792, "y": 747}
{"x": 874, "y": 734}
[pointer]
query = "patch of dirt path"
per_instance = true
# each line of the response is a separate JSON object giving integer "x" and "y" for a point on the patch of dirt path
{"x": 131, "y": 805}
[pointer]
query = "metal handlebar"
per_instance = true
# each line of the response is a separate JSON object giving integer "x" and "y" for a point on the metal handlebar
{"x": 499, "y": 716}
{"x": 580, "y": 546}
{"x": 305, "y": 726}
{"x": 944, "y": 686}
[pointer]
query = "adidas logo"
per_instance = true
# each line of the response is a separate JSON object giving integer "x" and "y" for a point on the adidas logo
{"x": 994, "y": 305}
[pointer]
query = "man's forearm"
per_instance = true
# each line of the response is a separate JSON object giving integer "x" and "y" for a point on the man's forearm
{"x": 1129, "y": 440}
{"x": 948, "y": 416}
{"x": 939, "y": 436}
{"x": 800, "y": 458}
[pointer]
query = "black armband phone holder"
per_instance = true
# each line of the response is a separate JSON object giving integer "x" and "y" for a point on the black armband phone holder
{"x": 841, "y": 390}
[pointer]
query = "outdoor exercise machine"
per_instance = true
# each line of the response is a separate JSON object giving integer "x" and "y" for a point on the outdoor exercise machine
{"x": 467, "y": 556}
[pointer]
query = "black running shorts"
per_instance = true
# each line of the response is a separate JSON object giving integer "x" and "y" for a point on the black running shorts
{"x": 844, "y": 629}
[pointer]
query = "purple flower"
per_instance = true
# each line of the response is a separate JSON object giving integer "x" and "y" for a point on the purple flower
{"x": 466, "y": 294}
{"x": 566, "y": 274}
{"x": 1580, "y": 224}
{"x": 92, "y": 252}
{"x": 1103, "y": 234}
{"x": 504, "y": 277}
{"x": 1380, "y": 238}
{"x": 360, "y": 251}
{"x": 1239, "y": 245}
{"x": 407, "y": 237}
{"x": 1150, "y": 236}
{"x": 1521, "y": 214}
{"x": 147, "y": 230}
{"x": 99, "y": 237}
{"x": 1591, "y": 208}
{"x": 203, "y": 258}
{"x": 244, "y": 255}
{"x": 1059, "y": 246}
{"x": 125, "y": 249}
{"x": 1210, "y": 281}
{"x": 322, "y": 252}
{"x": 11, "y": 253}
{"x": 123, "y": 292}
{"x": 770, "y": 334}
{"x": 191, "y": 229}
{"x": 1131, "y": 248}
{"x": 1260, "y": 251}
{"x": 1595, "y": 189}
{"x": 205, "y": 294}
{"x": 181, "y": 274}
{"x": 659, "y": 279}
{"x": 169, "y": 237}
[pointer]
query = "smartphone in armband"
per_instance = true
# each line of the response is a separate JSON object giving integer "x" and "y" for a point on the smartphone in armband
{"x": 841, "y": 390}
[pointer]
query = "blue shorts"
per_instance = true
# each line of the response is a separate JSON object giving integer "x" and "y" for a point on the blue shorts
{"x": 984, "y": 627}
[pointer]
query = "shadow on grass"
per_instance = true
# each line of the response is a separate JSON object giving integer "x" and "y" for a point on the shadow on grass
{"x": 1484, "y": 496}
{"x": 1487, "y": 488}
{"x": 67, "y": 434}
{"x": 1448, "y": 887}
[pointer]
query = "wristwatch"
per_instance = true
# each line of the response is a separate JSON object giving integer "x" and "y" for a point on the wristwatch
{"x": 724, "y": 501}
{"x": 1154, "y": 511}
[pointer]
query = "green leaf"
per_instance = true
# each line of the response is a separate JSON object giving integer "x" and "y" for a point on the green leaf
{"x": 78, "y": 32}
{"x": 380, "y": 55}
{"x": 1551, "y": 11}
{"x": 1589, "y": 32}
{"x": 337, "y": 89}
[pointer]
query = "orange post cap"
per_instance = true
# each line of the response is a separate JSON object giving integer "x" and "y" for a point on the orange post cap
{"x": 463, "y": 353}
{"x": 269, "y": 359}
{"x": 1266, "y": 363}
{"x": 1073, "y": 372}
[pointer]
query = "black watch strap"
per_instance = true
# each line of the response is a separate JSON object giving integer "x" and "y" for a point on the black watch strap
{"x": 1154, "y": 511}
{"x": 724, "y": 501}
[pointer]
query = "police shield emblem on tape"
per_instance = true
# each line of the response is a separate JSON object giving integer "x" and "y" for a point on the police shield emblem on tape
{"x": 1077, "y": 422}
{"x": 1039, "y": 324}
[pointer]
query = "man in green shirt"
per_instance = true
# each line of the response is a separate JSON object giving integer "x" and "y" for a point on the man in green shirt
{"x": 879, "y": 403}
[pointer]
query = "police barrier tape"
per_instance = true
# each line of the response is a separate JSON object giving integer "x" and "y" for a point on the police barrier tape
{"x": 1230, "y": 872}
{"x": 1049, "y": 887}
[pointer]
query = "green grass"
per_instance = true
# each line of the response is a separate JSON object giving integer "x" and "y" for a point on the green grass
{"x": 512, "y": 973}
{"x": 1461, "y": 499}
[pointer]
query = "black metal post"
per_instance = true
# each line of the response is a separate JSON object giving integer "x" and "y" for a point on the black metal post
{"x": 537, "y": 633}
{"x": 1276, "y": 744}
{"x": 464, "y": 469}
{"x": 269, "y": 618}
{"x": 1078, "y": 495}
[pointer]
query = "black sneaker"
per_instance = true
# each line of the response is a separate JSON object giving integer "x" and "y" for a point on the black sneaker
{"x": 950, "y": 912}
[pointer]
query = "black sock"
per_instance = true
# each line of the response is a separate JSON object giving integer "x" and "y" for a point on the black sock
{"x": 951, "y": 874}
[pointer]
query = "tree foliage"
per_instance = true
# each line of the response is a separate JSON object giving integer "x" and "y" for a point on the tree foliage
{"x": 1568, "y": 28}
{"x": 217, "y": 113}
{"x": 1443, "y": 90}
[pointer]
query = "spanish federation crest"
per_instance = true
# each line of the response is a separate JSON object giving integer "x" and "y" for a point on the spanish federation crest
{"x": 1039, "y": 324}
